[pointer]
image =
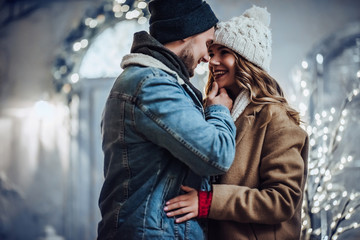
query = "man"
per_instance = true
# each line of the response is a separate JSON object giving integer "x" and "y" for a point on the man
{"x": 156, "y": 135}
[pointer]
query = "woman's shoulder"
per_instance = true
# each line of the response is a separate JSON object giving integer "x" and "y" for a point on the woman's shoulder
{"x": 277, "y": 114}
{"x": 277, "y": 119}
{"x": 274, "y": 111}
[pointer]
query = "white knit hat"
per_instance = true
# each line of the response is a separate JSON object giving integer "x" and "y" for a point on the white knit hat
{"x": 249, "y": 35}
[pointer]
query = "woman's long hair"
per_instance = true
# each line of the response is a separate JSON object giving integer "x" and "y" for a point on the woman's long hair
{"x": 262, "y": 87}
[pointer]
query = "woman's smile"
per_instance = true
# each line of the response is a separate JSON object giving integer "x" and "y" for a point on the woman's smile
{"x": 219, "y": 73}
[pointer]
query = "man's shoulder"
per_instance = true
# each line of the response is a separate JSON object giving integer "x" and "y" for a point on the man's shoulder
{"x": 149, "y": 65}
{"x": 147, "y": 72}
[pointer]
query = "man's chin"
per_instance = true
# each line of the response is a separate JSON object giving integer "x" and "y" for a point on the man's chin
{"x": 191, "y": 72}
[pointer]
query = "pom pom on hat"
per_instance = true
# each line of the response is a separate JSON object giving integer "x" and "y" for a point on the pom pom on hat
{"x": 248, "y": 35}
{"x": 258, "y": 13}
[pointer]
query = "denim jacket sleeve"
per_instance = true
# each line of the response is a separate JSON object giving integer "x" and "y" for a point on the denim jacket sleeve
{"x": 166, "y": 115}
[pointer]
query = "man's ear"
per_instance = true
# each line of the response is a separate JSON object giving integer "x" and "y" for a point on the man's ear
{"x": 186, "y": 39}
{"x": 178, "y": 45}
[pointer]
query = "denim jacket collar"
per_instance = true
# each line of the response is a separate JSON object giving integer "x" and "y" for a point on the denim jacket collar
{"x": 148, "y": 61}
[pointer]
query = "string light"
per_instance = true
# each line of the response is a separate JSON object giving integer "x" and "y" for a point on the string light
{"x": 67, "y": 63}
{"x": 304, "y": 64}
{"x": 324, "y": 195}
{"x": 319, "y": 58}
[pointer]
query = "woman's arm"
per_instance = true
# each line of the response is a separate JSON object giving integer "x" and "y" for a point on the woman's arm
{"x": 192, "y": 204}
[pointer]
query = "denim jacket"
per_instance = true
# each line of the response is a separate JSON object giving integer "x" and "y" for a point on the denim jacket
{"x": 157, "y": 137}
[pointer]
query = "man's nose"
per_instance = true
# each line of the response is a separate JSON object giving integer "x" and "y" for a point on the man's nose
{"x": 205, "y": 58}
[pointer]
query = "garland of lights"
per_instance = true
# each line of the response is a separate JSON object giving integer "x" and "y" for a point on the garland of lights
{"x": 321, "y": 192}
{"x": 67, "y": 62}
{"x": 327, "y": 207}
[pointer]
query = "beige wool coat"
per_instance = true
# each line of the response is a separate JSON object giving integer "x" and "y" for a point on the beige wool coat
{"x": 260, "y": 197}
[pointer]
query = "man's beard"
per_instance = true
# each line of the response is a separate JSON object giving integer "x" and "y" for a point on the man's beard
{"x": 187, "y": 57}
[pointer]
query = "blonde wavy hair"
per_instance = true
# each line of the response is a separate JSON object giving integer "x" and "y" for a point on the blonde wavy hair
{"x": 262, "y": 87}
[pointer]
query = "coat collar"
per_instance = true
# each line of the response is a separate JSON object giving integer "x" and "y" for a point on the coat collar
{"x": 246, "y": 120}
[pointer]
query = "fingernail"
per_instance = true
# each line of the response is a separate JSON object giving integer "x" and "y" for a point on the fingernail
{"x": 166, "y": 208}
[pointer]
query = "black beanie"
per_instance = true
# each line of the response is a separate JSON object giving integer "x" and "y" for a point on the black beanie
{"x": 173, "y": 20}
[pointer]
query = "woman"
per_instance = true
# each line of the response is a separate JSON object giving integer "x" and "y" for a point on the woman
{"x": 260, "y": 196}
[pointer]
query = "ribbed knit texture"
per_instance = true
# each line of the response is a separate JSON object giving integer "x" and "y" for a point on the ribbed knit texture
{"x": 205, "y": 198}
{"x": 240, "y": 103}
{"x": 172, "y": 20}
{"x": 249, "y": 35}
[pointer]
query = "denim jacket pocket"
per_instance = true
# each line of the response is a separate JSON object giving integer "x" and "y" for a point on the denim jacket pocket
{"x": 167, "y": 187}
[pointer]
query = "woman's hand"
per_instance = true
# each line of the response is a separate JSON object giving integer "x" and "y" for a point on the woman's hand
{"x": 187, "y": 204}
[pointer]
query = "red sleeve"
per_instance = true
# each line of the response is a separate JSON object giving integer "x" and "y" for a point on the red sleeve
{"x": 205, "y": 198}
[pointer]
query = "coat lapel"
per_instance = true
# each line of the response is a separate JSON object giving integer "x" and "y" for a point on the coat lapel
{"x": 246, "y": 120}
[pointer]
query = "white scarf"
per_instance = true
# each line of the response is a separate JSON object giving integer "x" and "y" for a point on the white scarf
{"x": 240, "y": 103}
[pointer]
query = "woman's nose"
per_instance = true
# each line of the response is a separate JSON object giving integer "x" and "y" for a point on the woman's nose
{"x": 214, "y": 61}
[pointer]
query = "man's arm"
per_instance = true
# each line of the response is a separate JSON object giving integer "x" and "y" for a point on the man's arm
{"x": 168, "y": 118}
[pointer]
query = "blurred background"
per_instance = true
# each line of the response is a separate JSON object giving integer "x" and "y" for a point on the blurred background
{"x": 59, "y": 58}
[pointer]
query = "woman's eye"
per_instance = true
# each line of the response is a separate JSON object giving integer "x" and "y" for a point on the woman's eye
{"x": 223, "y": 52}
{"x": 211, "y": 55}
